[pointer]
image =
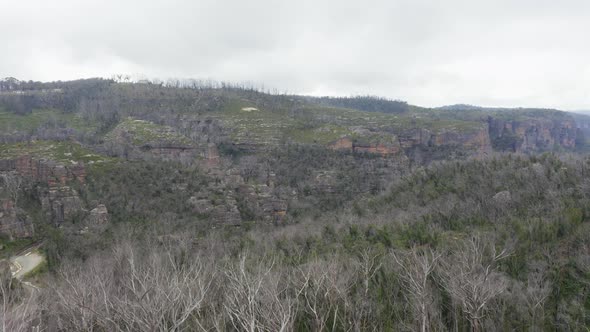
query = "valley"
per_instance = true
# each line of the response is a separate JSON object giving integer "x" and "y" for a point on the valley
{"x": 143, "y": 190}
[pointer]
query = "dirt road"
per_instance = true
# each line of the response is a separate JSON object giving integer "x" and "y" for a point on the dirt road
{"x": 25, "y": 263}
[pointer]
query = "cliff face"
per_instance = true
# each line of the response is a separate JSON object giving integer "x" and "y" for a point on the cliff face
{"x": 496, "y": 135}
{"x": 59, "y": 201}
{"x": 532, "y": 135}
{"x": 477, "y": 140}
{"x": 13, "y": 221}
{"x": 43, "y": 170}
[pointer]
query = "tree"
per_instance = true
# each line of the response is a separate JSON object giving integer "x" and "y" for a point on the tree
{"x": 363, "y": 312}
{"x": 415, "y": 267}
{"x": 256, "y": 299}
{"x": 538, "y": 289}
{"x": 323, "y": 287}
{"x": 132, "y": 290}
{"x": 472, "y": 278}
{"x": 17, "y": 311}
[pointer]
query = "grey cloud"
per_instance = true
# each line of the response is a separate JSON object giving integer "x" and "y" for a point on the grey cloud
{"x": 497, "y": 53}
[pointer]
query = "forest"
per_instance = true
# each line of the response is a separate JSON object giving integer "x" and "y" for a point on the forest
{"x": 234, "y": 209}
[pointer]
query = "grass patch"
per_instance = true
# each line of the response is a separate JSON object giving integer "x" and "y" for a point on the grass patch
{"x": 51, "y": 118}
{"x": 318, "y": 135}
{"x": 64, "y": 152}
{"x": 324, "y": 124}
{"x": 143, "y": 132}
{"x": 261, "y": 126}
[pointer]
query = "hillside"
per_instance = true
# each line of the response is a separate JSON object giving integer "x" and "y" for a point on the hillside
{"x": 247, "y": 143}
{"x": 253, "y": 119}
{"x": 334, "y": 204}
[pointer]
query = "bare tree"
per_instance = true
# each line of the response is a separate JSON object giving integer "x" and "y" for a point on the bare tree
{"x": 19, "y": 309}
{"x": 538, "y": 289}
{"x": 159, "y": 293}
{"x": 323, "y": 286}
{"x": 135, "y": 291}
{"x": 82, "y": 296}
{"x": 471, "y": 277}
{"x": 368, "y": 264}
{"x": 257, "y": 299}
{"x": 415, "y": 268}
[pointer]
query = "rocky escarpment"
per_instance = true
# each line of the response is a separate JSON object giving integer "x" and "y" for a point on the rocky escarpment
{"x": 230, "y": 200}
{"x": 59, "y": 201}
{"x": 348, "y": 144}
{"x": 43, "y": 170}
{"x": 532, "y": 134}
{"x": 261, "y": 201}
{"x": 477, "y": 141}
{"x": 498, "y": 134}
{"x": 141, "y": 139}
{"x": 14, "y": 222}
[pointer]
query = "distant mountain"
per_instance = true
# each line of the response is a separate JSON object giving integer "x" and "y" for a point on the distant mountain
{"x": 583, "y": 112}
{"x": 467, "y": 107}
{"x": 365, "y": 103}
{"x": 97, "y": 112}
{"x": 459, "y": 107}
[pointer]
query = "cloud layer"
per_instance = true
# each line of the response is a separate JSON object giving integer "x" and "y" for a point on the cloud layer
{"x": 429, "y": 52}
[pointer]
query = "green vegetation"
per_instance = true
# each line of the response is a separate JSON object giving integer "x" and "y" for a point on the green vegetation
{"x": 9, "y": 247}
{"x": 60, "y": 151}
{"x": 506, "y": 142}
{"x": 513, "y": 227}
{"x": 323, "y": 135}
{"x": 282, "y": 232}
{"x": 50, "y": 118}
{"x": 144, "y": 132}
{"x": 323, "y": 125}
{"x": 531, "y": 114}
{"x": 421, "y": 118}
{"x": 146, "y": 191}
{"x": 259, "y": 126}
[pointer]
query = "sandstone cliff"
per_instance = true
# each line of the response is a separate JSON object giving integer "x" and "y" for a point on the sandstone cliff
{"x": 59, "y": 201}
{"x": 14, "y": 222}
{"x": 532, "y": 134}
{"x": 497, "y": 134}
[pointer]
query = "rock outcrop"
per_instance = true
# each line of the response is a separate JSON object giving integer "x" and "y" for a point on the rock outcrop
{"x": 58, "y": 200}
{"x": 347, "y": 144}
{"x": 13, "y": 221}
{"x": 260, "y": 201}
{"x": 99, "y": 216}
{"x": 497, "y": 134}
{"x": 43, "y": 170}
{"x": 477, "y": 141}
{"x": 217, "y": 211}
{"x": 532, "y": 135}
{"x": 60, "y": 203}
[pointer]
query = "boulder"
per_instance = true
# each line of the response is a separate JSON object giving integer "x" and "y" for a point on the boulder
{"x": 98, "y": 216}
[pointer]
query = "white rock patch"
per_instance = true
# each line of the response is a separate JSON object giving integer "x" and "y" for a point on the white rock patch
{"x": 249, "y": 109}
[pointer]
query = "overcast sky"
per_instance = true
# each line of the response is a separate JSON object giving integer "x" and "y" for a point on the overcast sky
{"x": 430, "y": 53}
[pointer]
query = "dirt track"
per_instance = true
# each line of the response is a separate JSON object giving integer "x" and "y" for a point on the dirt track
{"x": 25, "y": 263}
